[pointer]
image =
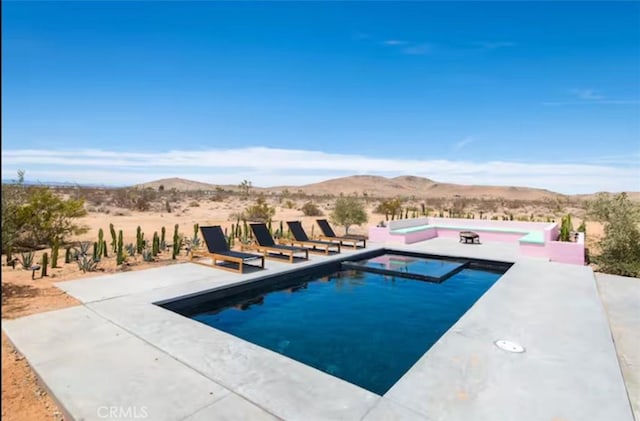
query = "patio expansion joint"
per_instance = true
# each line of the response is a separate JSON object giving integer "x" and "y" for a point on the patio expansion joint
{"x": 226, "y": 387}
{"x": 615, "y": 345}
{"x": 403, "y": 406}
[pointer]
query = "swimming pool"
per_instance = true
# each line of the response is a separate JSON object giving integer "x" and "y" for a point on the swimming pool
{"x": 409, "y": 266}
{"x": 363, "y": 327}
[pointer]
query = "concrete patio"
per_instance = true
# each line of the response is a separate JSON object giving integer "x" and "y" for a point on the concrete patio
{"x": 119, "y": 354}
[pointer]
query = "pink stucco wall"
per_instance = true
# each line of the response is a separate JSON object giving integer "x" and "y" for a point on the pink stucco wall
{"x": 567, "y": 252}
{"x": 379, "y": 234}
{"x": 471, "y": 223}
{"x": 563, "y": 252}
{"x": 504, "y": 237}
{"x": 534, "y": 250}
{"x": 552, "y": 233}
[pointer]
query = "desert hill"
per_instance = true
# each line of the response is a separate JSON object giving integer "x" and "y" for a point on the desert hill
{"x": 375, "y": 186}
{"x": 418, "y": 186}
{"x": 180, "y": 184}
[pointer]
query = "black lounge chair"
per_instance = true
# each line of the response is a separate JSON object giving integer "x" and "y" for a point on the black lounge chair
{"x": 218, "y": 249}
{"x": 328, "y": 234}
{"x": 301, "y": 239}
{"x": 266, "y": 245}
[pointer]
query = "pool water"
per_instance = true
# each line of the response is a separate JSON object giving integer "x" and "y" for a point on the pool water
{"x": 419, "y": 265}
{"x": 365, "y": 328}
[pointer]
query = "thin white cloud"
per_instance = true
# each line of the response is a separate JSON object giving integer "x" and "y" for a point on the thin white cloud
{"x": 394, "y": 42}
{"x": 494, "y": 45}
{"x": 360, "y": 35}
{"x": 418, "y": 49}
{"x": 587, "y": 94}
{"x": 595, "y": 102}
{"x": 590, "y": 97}
{"x": 269, "y": 166}
{"x": 458, "y": 146}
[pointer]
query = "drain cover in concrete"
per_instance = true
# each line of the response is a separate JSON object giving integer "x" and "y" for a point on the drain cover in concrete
{"x": 509, "y": 346}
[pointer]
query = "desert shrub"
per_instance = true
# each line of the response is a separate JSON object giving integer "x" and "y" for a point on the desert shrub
{"x": 260, "y": 211}
{"x": 349, "y": 211}
{"x": 34, "y": 216}
{"x": 620, "y": 247}
{"x": 289, "y": 204}
{"x": 311, "y": 209}
{"x": 194, "y": 204}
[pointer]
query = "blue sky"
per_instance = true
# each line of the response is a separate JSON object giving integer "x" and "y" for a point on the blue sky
{"x": 541, "y": 94}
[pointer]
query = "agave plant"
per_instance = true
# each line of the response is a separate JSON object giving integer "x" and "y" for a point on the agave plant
{"x": 87, "y": 264}
{"x": 26, "y": 259}
{"x": 84, "y": 249}
{"x": 131, "y": 249}
{"x": 147, "y": 255}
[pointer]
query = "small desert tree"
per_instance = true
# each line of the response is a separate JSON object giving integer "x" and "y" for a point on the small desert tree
{"x": 620, "y": 248}
{"x": 34, "y": 216}
{"x": 13, "y": 198}
{"x": 349, "y": 211}
{"x": 245, "y": 187}
{"x": 46, "y": 217}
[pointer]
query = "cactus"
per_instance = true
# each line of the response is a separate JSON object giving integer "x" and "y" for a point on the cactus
{"x": 281, "y": 229}
{"x": 196, "y": 227}
{"x": 104, "y": 248}
{"x": 100, "y": 242}
{"x": 96, "y": 250}
{"x": 423, "y": 208}
{"x": 155, "y": 246}
{"x": 245, "y": 231}
{"x": 139, "y": 239}
{"x": 583, "y": 227}
{"x": 114, "y": 242}
{"x": 176, "y": 243}
{"x": 163, "y": 231}
{"x": 67, "y": 255}
{"x": 45, "y": 263}
{"x": 269, "y": 227}
{"x": 54, "y": 253}
{"x": 119, "y": 250}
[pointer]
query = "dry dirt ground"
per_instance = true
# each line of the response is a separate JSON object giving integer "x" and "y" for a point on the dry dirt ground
{"x": 22, "y": 397}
